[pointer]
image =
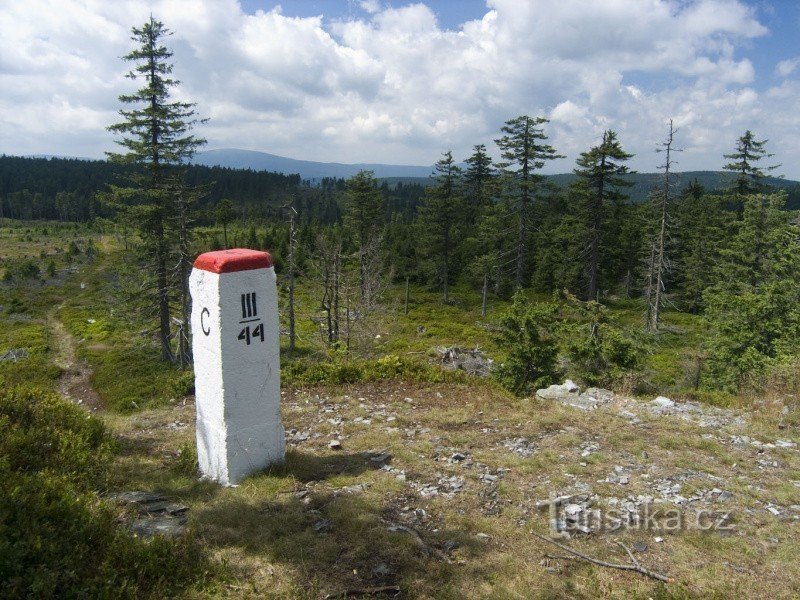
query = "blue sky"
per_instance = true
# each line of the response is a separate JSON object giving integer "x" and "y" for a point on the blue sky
{"x": 449, "y": 14}
{"x": 396, "y": 82}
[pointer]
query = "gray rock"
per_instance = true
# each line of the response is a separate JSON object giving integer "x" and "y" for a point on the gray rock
{"x": 163, "y": 525}
{"x": 451, "y": 545}
{"x": 382, "y": 570}
{"x": 602, "y": 395}
{"x": 322, "y": 526}
{"x": 559, "y": 392}
{"x": 662, "y": 402}
{"x": 569, "y": 394}
{"x": 14, "y": 355}
{"x": 137, "y": 497}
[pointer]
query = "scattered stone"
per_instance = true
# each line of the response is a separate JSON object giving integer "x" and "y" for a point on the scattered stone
{"x": 559, "y": 392}
{"x": 137, "y": 497}
{"x": 380, "y": 459}
{"x": 382, "y": 570}
{"x": 658, "y": 540}
{"x": 632, "y": 418}
{"x": 14, "y": 355}
{"x": 483, "y": 536}
{"x": 450, "y": 545}
{"x": 457, "y": 457}
{"x": 335, "y": 445}
{"x": 157, "y": 516}
{"x": 352, "y": 489}
{"x": 639, "y": 547}
{"x": 322, "y": 526}
{"x": 589, "y": 448}
{"x": 521, "y": 446}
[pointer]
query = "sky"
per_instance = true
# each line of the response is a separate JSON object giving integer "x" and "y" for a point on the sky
{"x": 397, "y": 82}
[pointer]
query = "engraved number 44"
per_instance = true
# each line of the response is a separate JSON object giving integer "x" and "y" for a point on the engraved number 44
{"x": 246, "y": 335}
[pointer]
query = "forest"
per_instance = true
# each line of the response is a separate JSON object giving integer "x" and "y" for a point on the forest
{"x": 723, "y": 254}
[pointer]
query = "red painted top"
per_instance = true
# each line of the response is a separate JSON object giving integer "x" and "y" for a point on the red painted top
{"x": 235, "y": 259}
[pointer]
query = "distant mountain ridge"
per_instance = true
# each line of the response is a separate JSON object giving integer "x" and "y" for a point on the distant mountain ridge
{"x": 262, "y": 161}
{"x": 643, "y": 183}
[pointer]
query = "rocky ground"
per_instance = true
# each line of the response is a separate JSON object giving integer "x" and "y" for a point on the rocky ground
{"x": 436, "y": 490}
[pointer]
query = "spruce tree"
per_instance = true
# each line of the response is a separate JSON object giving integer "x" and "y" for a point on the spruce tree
{"x": 525, "y": 151}
{"x": 749, "y": 176}
{"x": 156, "y": 135}
{"x": 753, "y": 309}
{"x": 701, "y": 224}
{"x": 364, "y": 215}
{"x": 478, "y": 178}
{"x": 439, "y": 220}
{"x": 600, "y": 177}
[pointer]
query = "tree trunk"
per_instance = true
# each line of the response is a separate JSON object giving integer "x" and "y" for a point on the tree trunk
{"x": 165, "y": 332}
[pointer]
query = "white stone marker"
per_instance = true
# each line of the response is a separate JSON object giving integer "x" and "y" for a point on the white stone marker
{"x": 236, "y": 364}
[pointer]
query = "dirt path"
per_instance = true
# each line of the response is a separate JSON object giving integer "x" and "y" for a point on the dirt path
{"x": 74, "y": 383}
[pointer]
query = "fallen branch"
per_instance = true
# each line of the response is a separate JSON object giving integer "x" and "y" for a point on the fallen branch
{"x": 385, "y": 589}
{"x": 396, "y": 528}
{"x": 601, "y": 563}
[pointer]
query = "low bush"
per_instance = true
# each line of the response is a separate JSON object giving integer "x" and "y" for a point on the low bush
{"x": 527, "y": 337}
{"x": 20, "y": 270}
{"x": 131, "y": 379}
{"x": 338, "y": 372}
{"x": 57, "y": 537}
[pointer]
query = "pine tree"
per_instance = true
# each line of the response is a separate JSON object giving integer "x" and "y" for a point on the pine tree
{"x": 524, "y": 150}
{"x": 439, "y": 219}
{"x": 156, "y": 136}
{"x": 600, "y": 177}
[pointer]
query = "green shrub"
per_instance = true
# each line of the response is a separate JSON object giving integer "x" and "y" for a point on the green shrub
{"x": 599, "y": 352}
{"x": 131, "y": 379}
{"x": 526, "y": 336}
{"x": 57, "y": 538}
{"x": 16, "y": 305}
{"x": 182, "y": 384}
{"x": 339, "y": 372}
{"x": 21, "y": 270}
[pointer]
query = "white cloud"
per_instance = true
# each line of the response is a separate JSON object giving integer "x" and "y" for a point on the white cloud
{"x": 371, "y": 6}
{"x": 393, "y": 86}
{"x": 786, "y": 67}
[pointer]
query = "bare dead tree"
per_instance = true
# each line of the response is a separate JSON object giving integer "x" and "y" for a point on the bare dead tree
{"x": 292, "y": 215}
{"x": 658, "y": 264}
{"x": 327, "y": 265}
